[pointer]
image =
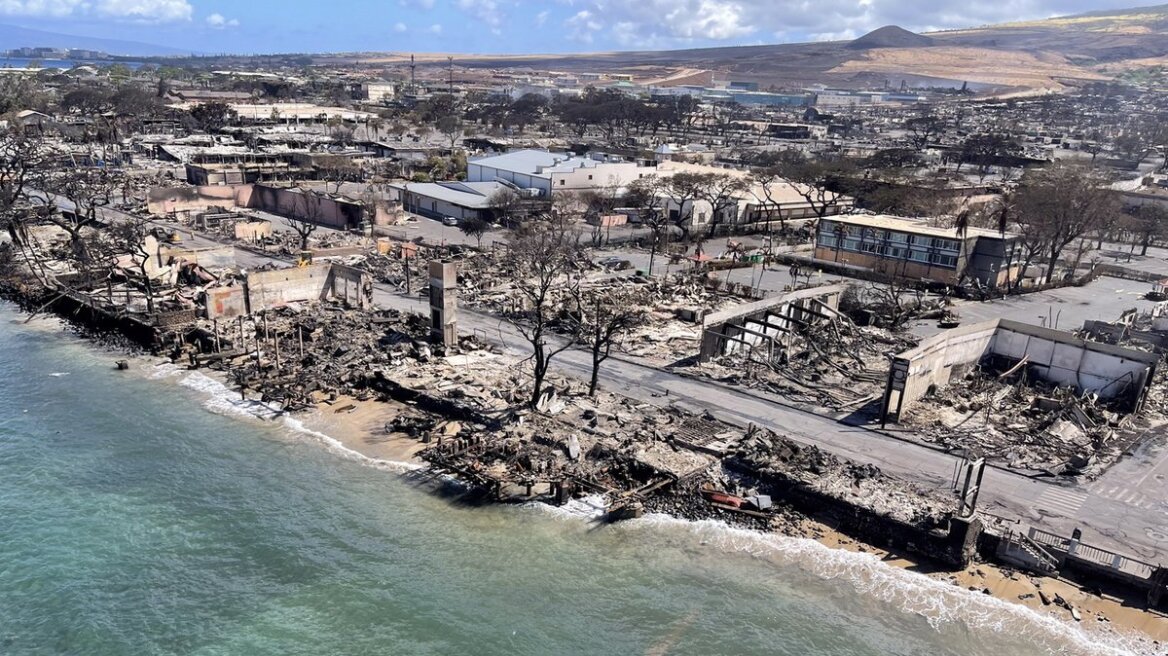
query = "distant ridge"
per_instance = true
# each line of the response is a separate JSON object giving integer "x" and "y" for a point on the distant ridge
{"x": 890, "y": 36}
{"x": 14, "y": 36}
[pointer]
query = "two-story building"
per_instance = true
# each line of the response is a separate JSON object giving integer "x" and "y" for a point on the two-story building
{"x": 910, "y": 248}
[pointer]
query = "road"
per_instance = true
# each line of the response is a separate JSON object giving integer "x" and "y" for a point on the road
{"x": 1126, "y": 510}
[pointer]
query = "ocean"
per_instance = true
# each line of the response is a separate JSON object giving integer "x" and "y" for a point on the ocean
{"x": 64, "y": 64}
{"x": 149, "y": 512}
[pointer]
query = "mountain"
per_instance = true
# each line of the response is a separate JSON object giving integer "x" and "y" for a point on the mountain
{"x": 1045, "y": 55}
{"x": 890, "y": 36}
{"x": 14, "y": 36}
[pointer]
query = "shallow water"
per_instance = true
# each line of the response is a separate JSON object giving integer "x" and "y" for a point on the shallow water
{"x": 146, "y": 512}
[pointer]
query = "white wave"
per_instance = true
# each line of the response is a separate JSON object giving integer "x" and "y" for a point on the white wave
{"x": 165, "y": 370}
{"x": 937, "y": 601}
{"x": 59, "y": 374}
{"x": 337, "y": 446}
{"x": 590, "y": 507}
{"x": 223, "y": 400}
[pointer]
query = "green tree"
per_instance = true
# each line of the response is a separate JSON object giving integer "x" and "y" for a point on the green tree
{"x": 213, "y": 116}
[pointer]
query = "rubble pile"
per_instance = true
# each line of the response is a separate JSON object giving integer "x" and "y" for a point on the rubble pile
{"x": 678, "y": 304}
{"x": 387, "y": 264}
{"x": 581, "y": 445}
{"x": 1028, "y": 425}
{"x": 297, "y": 358}
{"x": 835, "y": 365}
{"x": 772, "y": 457}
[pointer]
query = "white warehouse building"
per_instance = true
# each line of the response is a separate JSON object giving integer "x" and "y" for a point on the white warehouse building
{"x": 548, "y": 172}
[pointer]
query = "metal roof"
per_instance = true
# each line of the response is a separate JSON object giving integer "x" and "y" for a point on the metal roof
{"x": 527, "y": 162}
{"x": 912, "y": 226}
{"x": 472, "y": 195}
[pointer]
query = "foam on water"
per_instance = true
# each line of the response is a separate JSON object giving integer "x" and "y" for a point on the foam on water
{"x": 337, "y": 446}
{"x": 937, "y": 601}
{"x": 221, "y": 399}
{"x": 591, "y": 507}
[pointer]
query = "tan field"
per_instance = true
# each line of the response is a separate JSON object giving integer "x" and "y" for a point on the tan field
{"x": 983, "y": 65}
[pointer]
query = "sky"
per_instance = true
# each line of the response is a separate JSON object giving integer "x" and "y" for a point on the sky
{"x": 508, "y": 26}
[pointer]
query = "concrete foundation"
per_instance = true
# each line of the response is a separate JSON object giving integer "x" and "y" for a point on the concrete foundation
{"x": 265, "y": 290}
{"x": 1050, "y": 355}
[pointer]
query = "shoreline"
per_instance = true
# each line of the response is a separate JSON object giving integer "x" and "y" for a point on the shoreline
{"x": 356, "y": 429}
{"x": 1098, "y": 613}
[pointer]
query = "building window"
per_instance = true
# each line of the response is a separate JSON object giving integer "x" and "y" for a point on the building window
{"x": 948, "y": 261}
{"x": 561, "y": 182}
{"x": 945, "y": 244}
{"x": 589, "y": 176}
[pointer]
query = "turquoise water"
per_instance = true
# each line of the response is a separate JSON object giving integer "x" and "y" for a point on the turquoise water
{"x": 140, "y": 515}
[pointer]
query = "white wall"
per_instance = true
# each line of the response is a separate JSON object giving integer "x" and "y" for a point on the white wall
{"x": 479, "y": 173}
{"x": 602, "y": 175}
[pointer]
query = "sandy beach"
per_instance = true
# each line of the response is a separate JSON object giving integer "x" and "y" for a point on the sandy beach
{"x": 360, "y": 426}
{"x": 1038, "y": 593}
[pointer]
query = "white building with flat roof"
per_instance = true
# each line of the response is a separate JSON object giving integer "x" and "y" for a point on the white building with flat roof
{"x": 551, "y": 172}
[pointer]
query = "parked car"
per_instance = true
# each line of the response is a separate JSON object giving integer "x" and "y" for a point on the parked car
{"x": 615, "y": 264}
{"x": 450, "y": 221}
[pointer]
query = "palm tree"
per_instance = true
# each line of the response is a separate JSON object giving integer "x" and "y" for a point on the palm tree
{"x": 961, "y": 225}
{"x": 841, "y": 232}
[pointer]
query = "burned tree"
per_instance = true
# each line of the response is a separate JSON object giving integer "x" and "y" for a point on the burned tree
{"x": 1147, "y": 224}
{"x": 504, "y": 203}
{"x": 765, "y": 180}
{"x": 22, "y": 158}
{"x": 683, "y": 190}
{"x": 84, "y": 193}
{"x": 811, "y": 178}
{"x": 1060, "y": 205}
{"x": 542, "y": 259}
{"x": 924, "y": 129}
{"x": 128, "y": 240}
{"x": 302, "y": 215}
{"x": 719, "y": 190}
{"x": 645, "y": 194}
{"x": 213, "y": 116}
{"x": 602, "y": 316}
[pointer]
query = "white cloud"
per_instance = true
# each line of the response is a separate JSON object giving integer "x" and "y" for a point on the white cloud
{"x": 399, "y": 27}
{"x": 436, "y": 28}
{"x": 583, "y": 25}
{"x": 153, "y": 11}
{"x": 218, "y": 21}
{"x": 487, "y": 11}
{"x": 418, "y": 4}
{"x": 644, "y": 24}
{"x": 541, "y": 18}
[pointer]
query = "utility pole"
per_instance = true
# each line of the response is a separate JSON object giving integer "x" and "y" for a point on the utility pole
{"x": 413, "y": 76}
{"x": 450, "y": 75}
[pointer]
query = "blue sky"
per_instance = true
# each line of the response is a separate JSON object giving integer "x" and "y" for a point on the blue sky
{"x": 506, "y": 26}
